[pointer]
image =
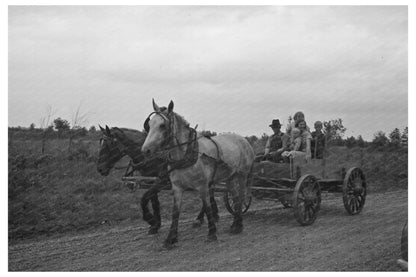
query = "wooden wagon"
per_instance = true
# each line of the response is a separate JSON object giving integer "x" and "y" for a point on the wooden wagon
{"x": 297, "y": 184}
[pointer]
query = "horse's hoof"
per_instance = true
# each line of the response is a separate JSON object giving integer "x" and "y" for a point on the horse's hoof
{"x": 149, "y": 218}
{"x": 196, "y": 224}
{"x": 236, "y": 229}
{"x": 211, "y": 238}
{"x": 168, "y": 246}
{"x": 152, "y": 231}
{"x": 171, "y": 240}
{"x": 169, "y": 243}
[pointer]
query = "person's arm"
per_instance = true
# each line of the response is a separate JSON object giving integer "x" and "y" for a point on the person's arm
{"x": 308, "y": 147}
{"x": 285, "y": 143}
{"x": 267, "y": 149}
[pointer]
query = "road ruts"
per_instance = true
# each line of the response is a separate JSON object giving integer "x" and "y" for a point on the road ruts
{"x": 271, "y": 241}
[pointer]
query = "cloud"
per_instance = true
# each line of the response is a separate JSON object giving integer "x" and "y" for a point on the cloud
{"x": 328, "y": 60}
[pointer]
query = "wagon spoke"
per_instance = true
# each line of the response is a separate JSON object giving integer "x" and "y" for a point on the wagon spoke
{"x": 301, "y": 198}
{"x": 359, "y": 203}
{"x": 356, "y": 205}
{"x": 305, "y": 215}
{"x": 309, "y": 212}
{"x": 360, "y": 200}
{"x": 356, "y": 174}
{"x": 312, "y": 210}
{"x": 350, "y": 203}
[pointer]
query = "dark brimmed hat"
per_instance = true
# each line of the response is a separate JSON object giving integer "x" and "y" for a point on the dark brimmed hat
{"x": 275, "y": 123}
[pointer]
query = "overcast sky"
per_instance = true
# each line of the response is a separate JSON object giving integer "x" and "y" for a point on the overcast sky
{"x": 227, "y": 68}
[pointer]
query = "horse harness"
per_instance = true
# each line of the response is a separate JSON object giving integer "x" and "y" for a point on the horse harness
{"x": 119, "y": 146}
{"x": 192, "y": 147}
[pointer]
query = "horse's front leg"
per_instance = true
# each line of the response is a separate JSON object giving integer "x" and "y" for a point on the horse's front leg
{"x": 157, "y": 221}
{"x": 173, "y": 232}
{"x": 147, "y": 215}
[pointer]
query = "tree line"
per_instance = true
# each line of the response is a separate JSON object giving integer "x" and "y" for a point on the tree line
{"x": 334, "y": 131}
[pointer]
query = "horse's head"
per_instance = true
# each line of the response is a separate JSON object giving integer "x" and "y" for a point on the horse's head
{"x": 111, "y": 150}
{"x": 158, "y": 128}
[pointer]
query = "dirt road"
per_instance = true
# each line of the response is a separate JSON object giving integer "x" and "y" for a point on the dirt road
{"x": 271, "y": 241}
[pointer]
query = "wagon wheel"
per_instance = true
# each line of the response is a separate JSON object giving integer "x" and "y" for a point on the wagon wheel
{"x": 229, "y": 203}
{"x": 354, "y": 191}
{"x": 306, "y": 199}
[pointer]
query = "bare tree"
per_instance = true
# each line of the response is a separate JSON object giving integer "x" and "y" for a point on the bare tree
{"x": 45, "y": 122}
{"x": 78, "y": 119}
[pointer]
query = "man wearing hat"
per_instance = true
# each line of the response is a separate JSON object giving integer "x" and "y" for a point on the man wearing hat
{"x": 277, "y": 143}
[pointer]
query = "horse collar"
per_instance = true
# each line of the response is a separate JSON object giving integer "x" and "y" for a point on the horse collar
{"x": 191, "y": 153}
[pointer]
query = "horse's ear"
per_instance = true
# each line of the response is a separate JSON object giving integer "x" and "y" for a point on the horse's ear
{"x": 170, "y": 107}
{"x": 101, "y": 128}
{"x": 155, "y": 106}
{"x": 107, "y": 130}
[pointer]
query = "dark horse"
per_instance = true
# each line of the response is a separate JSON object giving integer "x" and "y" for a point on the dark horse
{"x": 118, "y": 142}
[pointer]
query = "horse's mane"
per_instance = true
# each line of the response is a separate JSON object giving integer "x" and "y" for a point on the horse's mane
{"x": 126, "y": 129}
{"x": 133, "y": 136}
{"x": 181, "y": 119}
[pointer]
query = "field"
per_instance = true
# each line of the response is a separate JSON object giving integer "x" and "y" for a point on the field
{"x": 64, "y": 216}
{"x": 60, "y": 191}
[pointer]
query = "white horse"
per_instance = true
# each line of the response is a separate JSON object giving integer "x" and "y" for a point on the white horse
{"x": 197, "y": 162}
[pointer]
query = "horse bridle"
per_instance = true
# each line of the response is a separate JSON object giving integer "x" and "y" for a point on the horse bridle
{"x": 169, "y": 126}
{"x": 170, "y": 137}
{"x": 118, "y": 145}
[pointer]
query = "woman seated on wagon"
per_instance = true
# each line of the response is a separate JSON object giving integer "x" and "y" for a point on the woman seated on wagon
{"x": 301, "y": 141}
{"x": 297, "y": 117}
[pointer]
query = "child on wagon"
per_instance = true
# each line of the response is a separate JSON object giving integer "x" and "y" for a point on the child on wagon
{"x": 295, "y": 144}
